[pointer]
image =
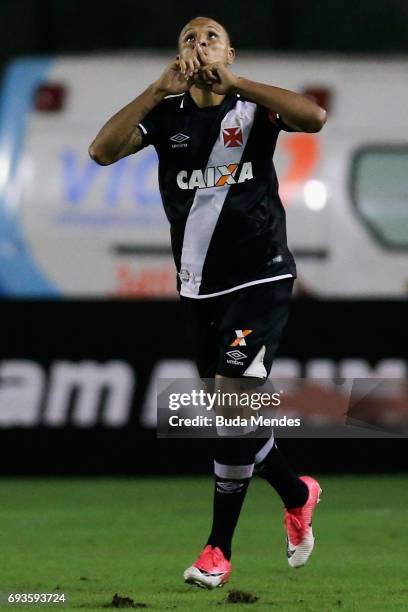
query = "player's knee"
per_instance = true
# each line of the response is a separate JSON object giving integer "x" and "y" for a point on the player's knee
{"x": 234, "y": 452}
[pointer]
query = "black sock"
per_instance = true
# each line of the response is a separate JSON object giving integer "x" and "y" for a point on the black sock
{"x": 229, "y": 495}
{"x": 275, "y": 470}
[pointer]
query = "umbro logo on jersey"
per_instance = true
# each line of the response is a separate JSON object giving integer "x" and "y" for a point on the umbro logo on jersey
{"x": 180, "y": 140}
{"x": 232, "y": 137}
{"x": 240, "y": 337}
{"x": 217, "y": 176}
{"x": 179, "y": 137}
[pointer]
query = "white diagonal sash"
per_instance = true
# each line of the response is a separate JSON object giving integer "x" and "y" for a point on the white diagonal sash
{"x": 208, "y": 202}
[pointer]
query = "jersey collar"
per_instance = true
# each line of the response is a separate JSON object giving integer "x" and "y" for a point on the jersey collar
{"x": 188, "y": 102}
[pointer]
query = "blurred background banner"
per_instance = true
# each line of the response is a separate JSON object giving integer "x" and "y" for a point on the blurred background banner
{"x": 87, "y": 283}
{"x": 78, "y": 382}
{"x": 70, "y": 228}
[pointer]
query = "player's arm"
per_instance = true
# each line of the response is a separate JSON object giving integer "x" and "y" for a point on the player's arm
{"x": 296, "y": 111}
{"x": 121, "y": 136}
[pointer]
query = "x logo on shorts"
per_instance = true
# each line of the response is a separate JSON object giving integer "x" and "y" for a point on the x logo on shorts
{"x": 240, "y": 339}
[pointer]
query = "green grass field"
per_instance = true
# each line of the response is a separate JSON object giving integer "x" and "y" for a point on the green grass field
{"x": 93, "y": 538}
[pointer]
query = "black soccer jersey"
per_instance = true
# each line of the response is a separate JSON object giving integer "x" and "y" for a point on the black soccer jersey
{"x": 220, "y": 193}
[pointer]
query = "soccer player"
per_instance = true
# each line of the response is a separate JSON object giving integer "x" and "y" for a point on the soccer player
{"x": 215, "y": 135}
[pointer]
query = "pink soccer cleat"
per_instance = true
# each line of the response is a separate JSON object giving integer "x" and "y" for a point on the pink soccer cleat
{"x": 298, "y": 524}
{"x": 210, "y": 570}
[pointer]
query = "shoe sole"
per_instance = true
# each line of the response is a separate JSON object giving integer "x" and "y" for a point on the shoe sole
{"x": 199, "y": 581}
{"x": 200, "y": 585}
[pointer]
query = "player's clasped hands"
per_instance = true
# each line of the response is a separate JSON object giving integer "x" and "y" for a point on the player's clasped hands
{"x": 192, "y": 68}
{"x": 199, "y": 71}
{"x": 189, "y": 62}
{"x": 197, "y": 67}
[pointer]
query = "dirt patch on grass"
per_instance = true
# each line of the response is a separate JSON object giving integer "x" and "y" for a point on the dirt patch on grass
{"x": 241, "y": 597}
{"x": 124, "y": 602}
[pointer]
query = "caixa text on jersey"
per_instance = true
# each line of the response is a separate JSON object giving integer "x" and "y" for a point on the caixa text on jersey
{"x": 215, "y": 176}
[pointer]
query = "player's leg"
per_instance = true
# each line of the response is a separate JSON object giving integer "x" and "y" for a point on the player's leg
{"x": 258, "y": 318}
{"x": 202, "y": 318}
{"x": 271, "y": 465}
{"x": 233, "y": 468}
{"x": 200, "y": 321}
{"x": 300, "y": 496}
{"x": 234, "y": 458}
{"x": 252, "y": 318}
{"x": 243, "y": 362}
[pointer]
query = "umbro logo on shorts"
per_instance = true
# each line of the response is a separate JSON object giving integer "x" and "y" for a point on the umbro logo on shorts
{"x": 236, "y": 356}
{"x": 240, "y": 339}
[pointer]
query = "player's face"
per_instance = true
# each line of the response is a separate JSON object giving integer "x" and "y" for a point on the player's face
{"x": 211, "y": 36}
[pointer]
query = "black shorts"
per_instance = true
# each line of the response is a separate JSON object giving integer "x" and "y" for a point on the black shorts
{"x": 237, "y": 334}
